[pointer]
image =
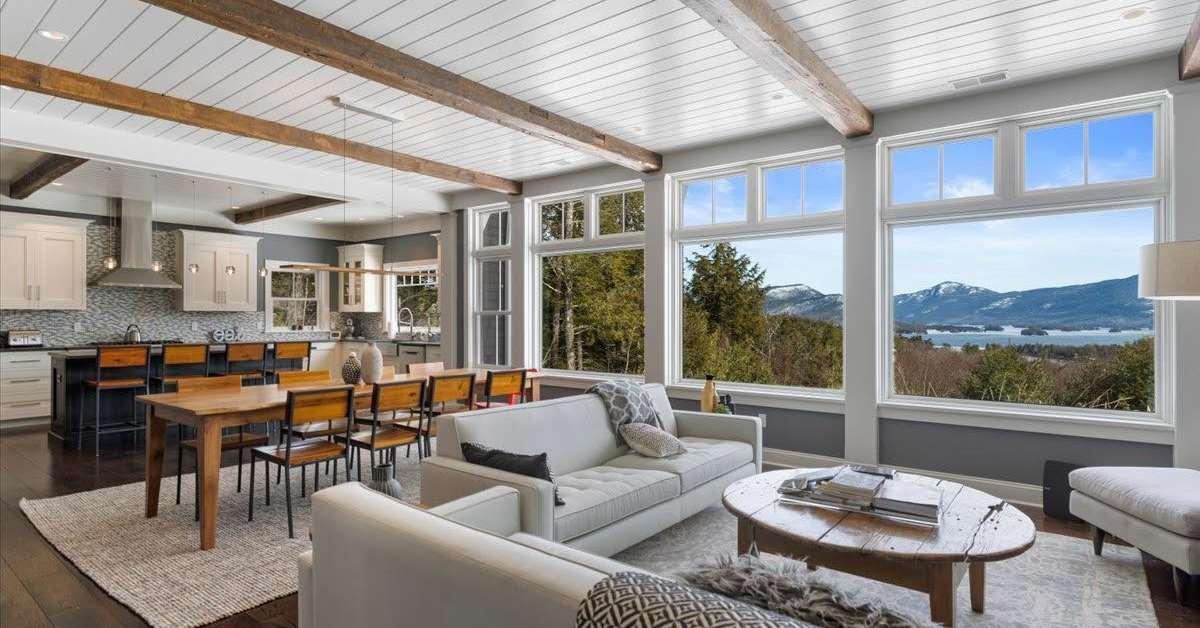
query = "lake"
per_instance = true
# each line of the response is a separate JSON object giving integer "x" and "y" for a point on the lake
{"x": 1012, "y": 336}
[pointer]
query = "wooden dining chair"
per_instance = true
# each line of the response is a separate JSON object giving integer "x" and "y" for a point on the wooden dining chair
{"x": 253, "y": 354}
{"x": 298, "y": 379}
{"x": 308, "y": 379}
{"x": 241, "y": 440}
{"x": 287, "y": 354}
{"x": 315, "y": 405}
{"x": 446, "y": 393}
{"x": 181, "y": 362}
{"x": 385, "y": 437}
{"x": 426, "y": 368}
{"x": 508, "y": 384}
{"x": 118, "y": 368}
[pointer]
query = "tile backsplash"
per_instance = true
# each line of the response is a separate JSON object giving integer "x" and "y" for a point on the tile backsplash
{"x": 110, "y": 310}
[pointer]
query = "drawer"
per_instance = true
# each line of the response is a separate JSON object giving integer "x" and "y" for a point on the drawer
{"x": 10, "y": 410}
{"x": 33, "y": 387}
{"x": 24, "y": 361}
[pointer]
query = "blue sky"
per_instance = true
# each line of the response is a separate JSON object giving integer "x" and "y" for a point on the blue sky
{"x": 814, "y": 260}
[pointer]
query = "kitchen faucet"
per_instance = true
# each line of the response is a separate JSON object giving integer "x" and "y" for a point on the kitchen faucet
{"x": 410, "y": 322}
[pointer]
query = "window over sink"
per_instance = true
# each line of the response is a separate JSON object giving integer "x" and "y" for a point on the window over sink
{"x": 297, "y": 300}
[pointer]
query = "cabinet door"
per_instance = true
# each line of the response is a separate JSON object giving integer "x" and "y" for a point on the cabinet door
{"x": 16, "y": 269}
{"x": 61, "y": 282}
{"x": 240, "y": 287}
{"x": 202, "y": 289}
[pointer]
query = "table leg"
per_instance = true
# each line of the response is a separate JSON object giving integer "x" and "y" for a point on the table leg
{"x": 156, "y": 429}
{"x": 941, "y": 593}
{"x": 977, "y": 584}
{"x": 208, "y": 472}
{"x": 745, "y": 536}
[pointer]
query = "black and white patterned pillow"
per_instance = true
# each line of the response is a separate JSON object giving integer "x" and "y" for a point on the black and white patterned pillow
{"x": 637, "y": 600}
{"x": 627, "y": 402}
{"x": 651, "y": 441}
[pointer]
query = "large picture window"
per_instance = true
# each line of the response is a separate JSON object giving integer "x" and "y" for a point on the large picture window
{"x": 764, "y": 311}
{"x": 592, "y": 311}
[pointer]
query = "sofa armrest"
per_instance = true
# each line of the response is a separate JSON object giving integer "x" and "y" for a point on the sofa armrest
{"x": 447, "y": 479}
{"x": 305, "y": 601}
{"x": 496, "y": 510}
{"x": 739, "y": 427}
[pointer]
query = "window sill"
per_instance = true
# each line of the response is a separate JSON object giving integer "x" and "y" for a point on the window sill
{"x": 580, "y": 380}
{"x": 1058, "y": 421}
{"x": 832, "y": 402}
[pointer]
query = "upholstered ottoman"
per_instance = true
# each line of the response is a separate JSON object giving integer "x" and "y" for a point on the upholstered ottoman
{"x": 1157, "y": 510}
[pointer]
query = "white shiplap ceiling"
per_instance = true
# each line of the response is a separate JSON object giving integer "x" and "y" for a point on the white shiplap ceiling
{"x": 649, "y": 71}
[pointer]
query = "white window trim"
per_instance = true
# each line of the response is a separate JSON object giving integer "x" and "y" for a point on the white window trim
{"x": 477, "y": 219}
{"x": 391, "y": 316}
{"x": 322, "y": 298}
{"x": 477, "y": 253}
{"x": 1159, "y": 161}
{"x": 960, "y": 135}
{"x": 1012, "y": 201}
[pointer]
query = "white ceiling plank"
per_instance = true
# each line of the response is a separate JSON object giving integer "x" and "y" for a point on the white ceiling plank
{"x": 18, "y": 22}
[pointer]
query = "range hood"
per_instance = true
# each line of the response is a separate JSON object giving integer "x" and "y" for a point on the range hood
{"x": 137, "y": 251}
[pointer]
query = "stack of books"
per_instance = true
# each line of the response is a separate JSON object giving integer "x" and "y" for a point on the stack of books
{"x": 874, "y": 491}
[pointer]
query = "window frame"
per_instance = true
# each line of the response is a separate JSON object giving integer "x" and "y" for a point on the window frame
{"x": 1011, "y": 201}
{"x": 563, "y": 198}
{"x": 322, "y": 298}
{"x": 476, "y": 254}
{"x": 478, "y": 313}
{"x": 1052, "y": 121}
{"x": 595, "y": 215}
{"x": 479, "y": 218}
{"x": 962, "y": 135}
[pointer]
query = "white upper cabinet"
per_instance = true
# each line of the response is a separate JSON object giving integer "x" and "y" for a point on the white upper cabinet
{"x": 226, "y": 279}
{"x": 360, "y": 292}
{"x": 43, "y": 262}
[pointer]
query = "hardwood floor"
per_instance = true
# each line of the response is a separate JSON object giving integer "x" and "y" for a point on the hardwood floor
{"x": 40, "y": 588}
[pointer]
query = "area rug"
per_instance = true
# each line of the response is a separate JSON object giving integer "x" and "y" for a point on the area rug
{"x": 154, "y": 566}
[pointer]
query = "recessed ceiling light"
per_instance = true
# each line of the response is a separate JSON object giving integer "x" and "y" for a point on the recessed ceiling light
{"x": 318, "y": 219}
{"x": 236, "y": 206}
{"x": 777, "y": 96}
{"x": 636, "y": 129}
{"x": 360, "y": 219}
{"x": 54, "y": 35}
{"x": 55, "y": 183}
{"x": 6, "y": 87}
{"x": 1134, "y": 13}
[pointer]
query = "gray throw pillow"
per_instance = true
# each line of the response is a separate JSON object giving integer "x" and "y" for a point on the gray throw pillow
{"x": 627, "y": 402}
{"x": 651, "y": 441}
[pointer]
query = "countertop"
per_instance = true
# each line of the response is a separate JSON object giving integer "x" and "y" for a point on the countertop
{"x": 88, "y": 350}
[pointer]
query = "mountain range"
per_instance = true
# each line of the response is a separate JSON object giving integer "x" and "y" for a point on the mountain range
{"x": 1102, "y": 304}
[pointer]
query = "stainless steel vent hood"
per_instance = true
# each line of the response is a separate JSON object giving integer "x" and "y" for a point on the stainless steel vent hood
{"x": 137, "y": 251}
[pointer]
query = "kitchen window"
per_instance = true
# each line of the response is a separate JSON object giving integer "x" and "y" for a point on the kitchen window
{"x": 297, "y": 300}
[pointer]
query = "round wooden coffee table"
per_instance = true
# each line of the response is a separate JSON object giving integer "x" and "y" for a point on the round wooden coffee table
{"x": 976, "y": 528}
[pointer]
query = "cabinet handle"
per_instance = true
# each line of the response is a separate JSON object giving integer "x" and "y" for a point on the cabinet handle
{"x": 34, "y": 361}
{"x": 25, "y": 405}
{"x": 25, "y": 381}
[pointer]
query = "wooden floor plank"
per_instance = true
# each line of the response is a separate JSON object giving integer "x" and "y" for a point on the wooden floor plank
{"x": 17, "y": 606}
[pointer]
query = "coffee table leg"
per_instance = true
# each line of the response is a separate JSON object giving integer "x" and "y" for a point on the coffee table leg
{"x": 745, "y": 536}
{"x": 941, "y": 593}
{"x": 977, "y": 583}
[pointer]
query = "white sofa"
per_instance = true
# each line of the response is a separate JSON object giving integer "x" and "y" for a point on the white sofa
{"x": 614, "y": 497}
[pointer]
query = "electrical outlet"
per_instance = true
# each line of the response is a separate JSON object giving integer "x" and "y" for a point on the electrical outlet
{"x": 195, "y": 326}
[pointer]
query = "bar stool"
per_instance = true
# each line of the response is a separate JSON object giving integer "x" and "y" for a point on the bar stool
{"x": 181, "y": 362}
{"x": 252, "y": 353}
{"x": 385, "y": 436}
{"x": 446, "y": 393}
{"x": 118, "y": 367}
{"x": 509, "y": 384}
{"x": 289, "y": 352}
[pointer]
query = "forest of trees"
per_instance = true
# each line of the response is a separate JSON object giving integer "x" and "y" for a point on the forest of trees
{"x": 592, "y": 313}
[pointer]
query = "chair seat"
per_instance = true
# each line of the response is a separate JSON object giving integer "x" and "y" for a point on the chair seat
{"x": 256, "y": 374}
{"x": 232, "y": 441}
{"x": 130, "y": 382}
{"x": 318, "y": 429}
{"x": 384, "y": 438}
{"x": 1165, "y": 497}
{"x": 171, "y": 379}
{"x": 302, "y": 453}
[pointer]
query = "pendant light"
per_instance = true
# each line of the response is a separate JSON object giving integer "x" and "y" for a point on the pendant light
{"x": 155, "y": 265}
{"x": 110, "y": 262}
{"x": 230, "y": 270}
{"x": 193, "y": 267}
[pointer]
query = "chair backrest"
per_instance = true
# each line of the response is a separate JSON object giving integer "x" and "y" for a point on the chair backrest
{"x": 246, "y": 352}
{"x": 388, "y": 372}
{"x": 426, "y": 368}
{"x": 451, "y": 388}
{"x": 294, "y": 379}
{"x": 179, "y": 355}
{"x": 224, "y": 383}
{"x": 292, "y": 350}
{"x": 332, "y": 403}
{"x": 499, "y": 383}
{"x": 122, "y": 356}
{"x": 399, "y": 395}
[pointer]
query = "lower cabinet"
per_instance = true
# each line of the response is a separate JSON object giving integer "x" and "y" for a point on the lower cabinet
{"x": 25, "y": 385}
{"x": 324, "y": 358}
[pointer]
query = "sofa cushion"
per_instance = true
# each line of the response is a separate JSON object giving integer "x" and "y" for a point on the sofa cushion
{"x": 602, "y": 495}
{"x": 662, "y": 405}
{"x": 1168, "y": 498}
{"x": 704, "y": 460}
{"x": 579, "y": 557}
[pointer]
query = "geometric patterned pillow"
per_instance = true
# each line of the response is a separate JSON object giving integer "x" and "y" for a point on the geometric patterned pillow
{"x": 626, "y": 402}
{"x": 651, "y": 441}
{"x": 637, "y": 600}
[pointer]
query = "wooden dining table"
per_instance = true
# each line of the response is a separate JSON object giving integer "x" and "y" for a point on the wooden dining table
{"x": 210, "y": 412}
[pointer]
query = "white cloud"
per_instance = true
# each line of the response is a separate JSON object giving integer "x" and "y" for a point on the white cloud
{"x": 961, "y": 187}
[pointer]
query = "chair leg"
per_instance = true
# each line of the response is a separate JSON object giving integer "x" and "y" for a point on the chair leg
{"x": 97, "y": 423}
{"x": 359, "y": 463}
{"x": 239, "y": 481}
{"x": 393, "y": 463}
{"x": 252, "y": 467}
{"x": 317, "y": 476}
{"x": 287, "y": 490}
{"x": 278, "y": 474}
{"x": 179, "y": 463}
{"x": 1097, "y": 540}
{"x": 79, "y": 433}
{"x": 267, "y": 479}
{"x": 303, "y": 478}
{"x": 335, "y": 476}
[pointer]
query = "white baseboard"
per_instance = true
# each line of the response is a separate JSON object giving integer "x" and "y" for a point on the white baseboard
{"x": 1015, "y": 492}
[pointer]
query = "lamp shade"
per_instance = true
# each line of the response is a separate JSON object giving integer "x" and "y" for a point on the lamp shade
{"x": 1170, "y": 270}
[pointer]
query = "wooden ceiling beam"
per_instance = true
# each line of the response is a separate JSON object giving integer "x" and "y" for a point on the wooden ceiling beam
{"x": 755, "y": 28}
{"x": 297, "y": 32}
{"x": 1189, "y": 54}
{"x": 72, "y": 86}
{"x": 279, "y": 209}
{"x": 43, "y": 173}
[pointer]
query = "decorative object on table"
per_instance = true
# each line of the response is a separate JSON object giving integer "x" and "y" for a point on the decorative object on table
{"x": 627, "y": 402}
{"x": 351, "y": 369}
{"x": 372, "y": 364}
{"x": 383, "y": 481}
{"x": 709, "y": 399}
{"x": 845, "y": 488}
{"x": 224, "y": 335}
{"x": 725, "y": 405}
{"x": 651, "y": 441}
{"x": 1170, "y": 270}
{"x": 532, "y": 465}
{"x": 784, "y": 587}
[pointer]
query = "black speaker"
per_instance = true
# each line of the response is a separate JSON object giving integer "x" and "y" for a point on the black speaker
{"x": 1056, "y": 493}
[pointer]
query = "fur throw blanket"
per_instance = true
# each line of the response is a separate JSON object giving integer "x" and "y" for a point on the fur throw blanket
{"x": 786, "y": 588}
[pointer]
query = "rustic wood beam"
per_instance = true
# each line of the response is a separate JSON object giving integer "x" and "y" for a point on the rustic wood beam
{"x": 54, "y": 82}
{"x": 300, "y": 33}
{"x": 755, "y": 28}
{"x": 43, "y": 173}
{"x": 279, "y": 209}
{"x": 1189, "y": 54}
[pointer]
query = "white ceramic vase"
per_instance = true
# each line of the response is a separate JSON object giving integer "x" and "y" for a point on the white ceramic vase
{"x": 372, "y": 364}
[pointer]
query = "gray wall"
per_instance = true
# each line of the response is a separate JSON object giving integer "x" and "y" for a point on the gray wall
{"x": 407, "y": 248}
